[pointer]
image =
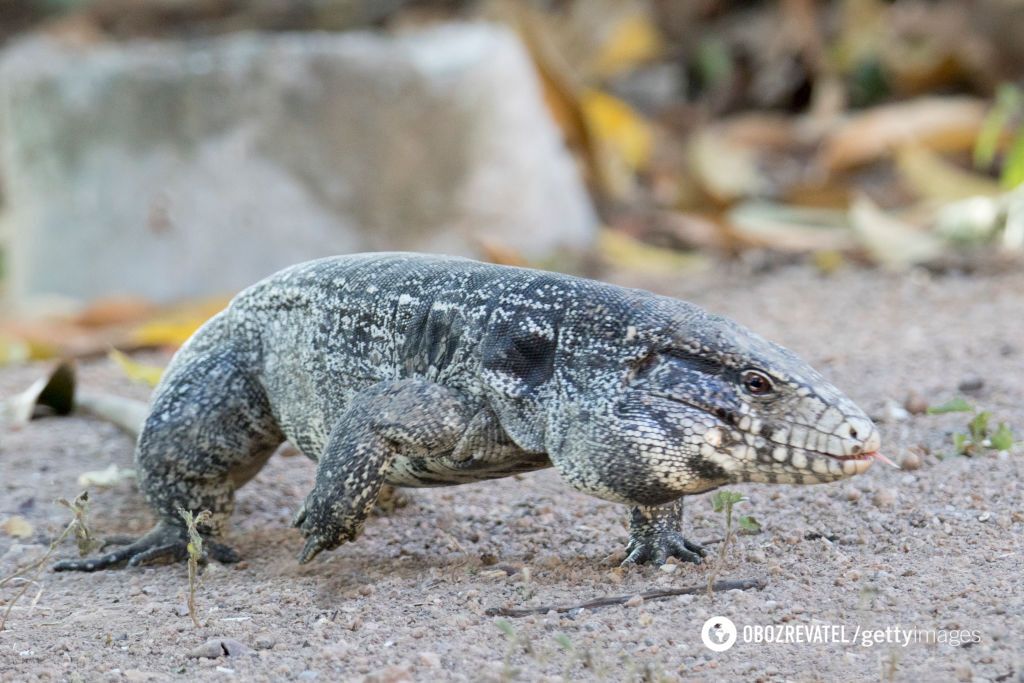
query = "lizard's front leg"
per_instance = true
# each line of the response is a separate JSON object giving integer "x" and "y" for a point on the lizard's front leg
{"x": 408, "y": 417}
{"x": 655, "y": 535}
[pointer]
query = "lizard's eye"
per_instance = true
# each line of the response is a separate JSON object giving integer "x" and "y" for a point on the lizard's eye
{"x": 757, "y": 383}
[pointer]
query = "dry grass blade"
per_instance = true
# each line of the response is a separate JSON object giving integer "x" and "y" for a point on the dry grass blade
{"x": 195, "y": 554}
{"x": 78, "y": 526}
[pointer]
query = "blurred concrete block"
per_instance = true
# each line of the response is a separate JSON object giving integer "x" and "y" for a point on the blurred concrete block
{"x": 173, "y": 170}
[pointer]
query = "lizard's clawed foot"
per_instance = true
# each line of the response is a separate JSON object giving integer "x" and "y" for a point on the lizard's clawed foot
{"x": 323, "y": 527}
{"x": 656, "y": 549}
{"x": 165, "y": 541}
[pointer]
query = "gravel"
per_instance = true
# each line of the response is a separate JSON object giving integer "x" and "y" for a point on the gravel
{"x": 937, "y": 546}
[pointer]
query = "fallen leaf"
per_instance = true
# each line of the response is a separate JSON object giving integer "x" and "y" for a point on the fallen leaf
{"x": 17, "y": 527}
{"x": 932, "y": 177}
{"x": 791, "y": 228}
{"x": 726, "y": 170}
{"x": 110, "y": 476}
{"x": 174, "y": 327}
{"x": 632, "y": 40}
{"x": 937, "y": 123}
{"x": 55, "y": 391}
{"x": 140, "y": 372}
{"x": 624, "y": 251}
{"x": 114, "y": 311}
{"x": 975, "y": 220}
{"x": 618, "y": 128}
{"x": 890, "y": 241}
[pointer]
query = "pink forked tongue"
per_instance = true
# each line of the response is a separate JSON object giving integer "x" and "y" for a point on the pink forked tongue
{"x": 878, "y": 456}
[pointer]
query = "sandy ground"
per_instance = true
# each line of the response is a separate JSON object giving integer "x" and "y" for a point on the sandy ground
{"x": 939, "y": 548}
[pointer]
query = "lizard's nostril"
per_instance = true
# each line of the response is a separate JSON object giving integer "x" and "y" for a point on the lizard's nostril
{"x": 853, "y": 432}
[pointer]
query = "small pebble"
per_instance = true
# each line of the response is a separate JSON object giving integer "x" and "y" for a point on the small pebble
{"x": 431, "y": 660}
{"x": 885, "y": 498}
{"x": 911, "y": 461}
{"x": 634, "y": 601}
{"x": 220, "y": 647}
{"x": 915, "y": 404}
{"x": 971, "y": 384}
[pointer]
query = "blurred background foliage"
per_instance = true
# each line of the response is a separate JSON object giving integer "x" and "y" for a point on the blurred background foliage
{"x": 844, "y": 132}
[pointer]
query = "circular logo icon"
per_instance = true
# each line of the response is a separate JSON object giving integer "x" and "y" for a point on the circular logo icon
{"x": 719, "y": 633}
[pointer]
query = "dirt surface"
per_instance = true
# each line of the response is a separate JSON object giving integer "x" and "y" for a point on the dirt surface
{"x": 937, "y": 548}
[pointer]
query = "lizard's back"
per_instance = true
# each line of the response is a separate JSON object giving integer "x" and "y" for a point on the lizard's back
{"x": 320, "y": 332}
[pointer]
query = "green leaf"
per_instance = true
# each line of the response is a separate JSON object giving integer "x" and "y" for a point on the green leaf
{"x": 1008, "y": 101}
{"x": 978, "y": 426}
{"x": 961, "y": 444}
{"x": 1013, "y": 164}
{"x": 714, "y": 63}
{"x": 506, "y": 628}
{"x": 723, "y": 500}
{"x": 1003, "y": 438}
{"x": 563, "y": 640}
{"x": 748, "y": 523}
{"x": 957, "y": 405}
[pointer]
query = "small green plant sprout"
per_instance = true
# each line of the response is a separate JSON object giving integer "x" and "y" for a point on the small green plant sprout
{"x": 957, "y": 405}
{"x": 724, "y": 501}
{"x": 980, "y": 435}
{"x": 508, "y": 672}
{"x": 195, "y": 555}
{"x": 78, "y": 527}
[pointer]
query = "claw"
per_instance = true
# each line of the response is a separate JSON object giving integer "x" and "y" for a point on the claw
{"x": 657, "y": 551}
{"x": 312, "y": 548}
{"x": 163, "y": 541}
{"x": 300, "y": 516}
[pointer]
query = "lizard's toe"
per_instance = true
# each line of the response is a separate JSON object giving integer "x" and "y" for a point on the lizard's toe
{"x": 165, "y": 541}
{"x": 314, "y": 546}
{"x": 657, "y": 550}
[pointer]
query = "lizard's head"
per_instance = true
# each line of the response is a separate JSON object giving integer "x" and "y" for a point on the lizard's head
{"x": 743, "y": 408}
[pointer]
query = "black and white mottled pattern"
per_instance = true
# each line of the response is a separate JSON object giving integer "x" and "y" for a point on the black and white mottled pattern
{"x": 417, "y": 370}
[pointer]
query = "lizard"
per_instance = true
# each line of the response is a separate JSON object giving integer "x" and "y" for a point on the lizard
{"x": 416, "y": 370}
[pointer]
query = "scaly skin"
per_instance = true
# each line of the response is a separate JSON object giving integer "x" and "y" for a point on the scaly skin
{"x": 416, "y": 370}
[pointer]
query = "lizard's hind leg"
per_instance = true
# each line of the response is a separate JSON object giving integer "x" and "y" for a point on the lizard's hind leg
{"x": 209, "y": 431}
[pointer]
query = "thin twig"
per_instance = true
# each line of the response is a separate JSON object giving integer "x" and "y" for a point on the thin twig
{"x": 660, "y": 594}
{"x": 86, "y": 543}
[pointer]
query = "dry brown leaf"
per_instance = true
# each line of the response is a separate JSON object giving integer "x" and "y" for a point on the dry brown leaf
{"x": 622, "y": 251}
{"x": 114, "y": 311}
{"x": 109, "y": 476}
{"x": 174, "y": 327}
{"x": 932, "y": 177}
{"x": 790, "y": 228}
{"x": 618, "y": 129}
{"x": 937, "y": 123}
{"x": 632, "y": 40}
{"x": 17, "y": 526}
{"x": 140, "y": 372}
{"x": 55, "y": 391}
{"x": 726, "y": 170}
{"x": 891, "y": 242}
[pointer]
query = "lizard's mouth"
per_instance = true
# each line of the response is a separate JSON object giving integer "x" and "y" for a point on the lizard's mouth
{"x": 859, "y": 463}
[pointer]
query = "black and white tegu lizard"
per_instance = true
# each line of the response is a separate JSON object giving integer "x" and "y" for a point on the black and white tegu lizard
{"x": 417, "y": 370}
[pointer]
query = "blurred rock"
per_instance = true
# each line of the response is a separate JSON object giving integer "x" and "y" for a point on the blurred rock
{"x": 172, "y": 170}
